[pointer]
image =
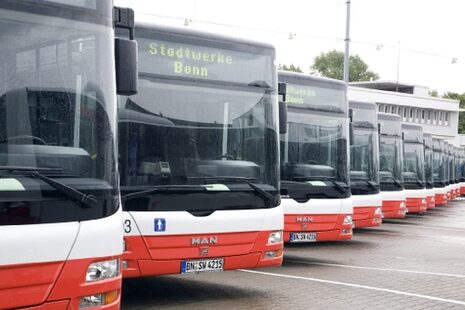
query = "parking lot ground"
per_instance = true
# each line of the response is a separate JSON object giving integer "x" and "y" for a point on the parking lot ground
{"x": 412, "y": 263}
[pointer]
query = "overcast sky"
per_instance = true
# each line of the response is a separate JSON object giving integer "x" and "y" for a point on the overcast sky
{"x": 430, "y": 33}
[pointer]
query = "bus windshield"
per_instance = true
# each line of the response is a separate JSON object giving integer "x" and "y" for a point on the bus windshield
{"x": 364, "y": 158}
{"x": 390, "y": 164}
{"x": 414, "y": 174}
{"x": 182, "y": 130}
{"x": 429, "y": 156}
{"x": 57, "y": 105}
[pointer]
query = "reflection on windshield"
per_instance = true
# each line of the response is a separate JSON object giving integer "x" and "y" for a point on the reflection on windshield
{"x": 439, "y": 168}
{"x": 413, "y": 163}
{"x": 314, "y": 147}
{"x": 390, "y": 164}
{"x": 429, "y": 165}
{"x": 55, "y": 92}
{"x": 183, "y": 134}
{"x": 363, "y": 155}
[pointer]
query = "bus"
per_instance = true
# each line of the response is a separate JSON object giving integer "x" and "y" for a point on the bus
{"x": 391, "y": 165}
{"x": 461, "y": 171}
{"x": 315, "y": 192}
{"x": 414, "y": 168}
{"x": 439, "y": 172}
{"x": 457, "y": 172}
{"x": 198, "y": 155}
{"x": 429, "y": 179}
{"x": 60, "y": 217}
{"x": 449, "y": 171}
{"x": 364, "y": 164}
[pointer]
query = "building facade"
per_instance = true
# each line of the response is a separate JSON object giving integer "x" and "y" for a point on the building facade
{"x": 437, "y": 116}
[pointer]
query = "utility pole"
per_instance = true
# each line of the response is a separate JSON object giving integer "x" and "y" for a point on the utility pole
{"x": 398, "y": 66}
{"x": 347, "y": 42}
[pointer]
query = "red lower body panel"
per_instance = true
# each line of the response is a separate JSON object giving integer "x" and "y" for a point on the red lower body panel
{"x": 440, "y": 199}
{"x": 366, "y": 217}
{"x": 52, "y": 285}
{"x": 462, "y": 190}
{"x": 328, "y": 227}
{"x": 157, "y": 255}
{"x": 416, "y": 205}
{"x": 430, "y": 202}
{"x": 394, "y": 209}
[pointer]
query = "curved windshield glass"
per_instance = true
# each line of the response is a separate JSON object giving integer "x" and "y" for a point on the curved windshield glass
{"x": 364, "y": 158}
{"x": 314, "y": 150}
{"x": 390, "y": 163}
{"x": 57, "y": 110}
{"x": 186, "y": 129}
{"x": 429, "y": 167}
{"x": 414, "y": 173}
{"x": 439, "y": 168}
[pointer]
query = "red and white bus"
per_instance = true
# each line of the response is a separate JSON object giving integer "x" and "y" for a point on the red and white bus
{"x": 198, "y": 148}
{"x": 314, "y": 160}
{"x": 414, "y": 168}
{"x": 449, "y": 171}
{"x": 60, "y": 219}
{"x": 364, "y": 164}
{"x": 456, "y": 170}
{"x": 461, "y": 171}
{"x": 391, "y": 165}
{"x": 429, "y": 179}
{"x": 440, "y": 173}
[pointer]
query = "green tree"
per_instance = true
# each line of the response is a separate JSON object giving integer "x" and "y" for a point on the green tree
{"x": 434, "y": 93}
{"x": 331, "y": 64}
{"x": 291, "y": 67}
{"x": 461, "y": 98}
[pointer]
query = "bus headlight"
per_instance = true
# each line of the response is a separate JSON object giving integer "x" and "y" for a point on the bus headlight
{"x": 103, "y": 270}
{"x": 348, "y": 220}
{"x": 275, "y": 237}
{"x": 402, "y": 205}
{"x": 423, "y": 201}
{"x": 378, "y": 211}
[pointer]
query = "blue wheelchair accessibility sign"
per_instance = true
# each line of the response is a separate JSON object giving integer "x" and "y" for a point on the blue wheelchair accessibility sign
{"x": 160, "y": 224}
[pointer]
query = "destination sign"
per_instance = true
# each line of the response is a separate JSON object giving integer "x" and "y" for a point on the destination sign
{"x": 315, "y": 97}
{"x": 203, "y": 62}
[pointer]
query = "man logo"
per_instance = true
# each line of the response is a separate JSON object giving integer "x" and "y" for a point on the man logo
{"x": 204, "y": 240}
{"x": 203, "y": 251}
{"x": 304, "y": 226}
{"x": 303, "y": 219}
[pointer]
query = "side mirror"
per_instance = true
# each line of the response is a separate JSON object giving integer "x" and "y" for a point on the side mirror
{"x": 126, "y": 66}
{"x": 351, "y": 127}
{"x": 126, "y": 57}
{"x": 351, "y": 133}
{"x": 282, "y": 117}
{"x": 282, "y": 90}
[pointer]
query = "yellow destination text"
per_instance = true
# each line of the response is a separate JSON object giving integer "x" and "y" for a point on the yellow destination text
{"x": 183, "y": 57}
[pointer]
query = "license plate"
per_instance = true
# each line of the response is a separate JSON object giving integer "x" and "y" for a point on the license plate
{"x": 188, "y": 266}
{"x": 303, "y": 237}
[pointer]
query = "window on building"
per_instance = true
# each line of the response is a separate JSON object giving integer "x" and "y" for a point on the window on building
{"x": 446, "y": 118}
{"x": 381, "y": 108}
{"x": 405, "y": 113}
{"x": 410, "y": 113}
{"x": 423, "y": 112}
{"x": 435, "y": 117}
{"x": 393, "y": 109}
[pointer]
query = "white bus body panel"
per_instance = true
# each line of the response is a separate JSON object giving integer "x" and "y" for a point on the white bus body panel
{"x": 374, "y": 200}
{"x": 318, "y": 206}
{"x": 222, "y": 221}
{"x": 393, "y": 195}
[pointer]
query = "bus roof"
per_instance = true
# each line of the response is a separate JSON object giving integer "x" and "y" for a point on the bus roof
{"x": 388, "y": 117}
{"x": 191, "y": 33}
{"x": 369, "y": 105}
{"x": 332, "y": 83}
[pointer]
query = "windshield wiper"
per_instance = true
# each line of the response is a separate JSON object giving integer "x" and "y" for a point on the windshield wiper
{"x": 393, "y": 181}
{"x": 336, "y": 185}
{"x": 83, "y": 200}
{"x": 245, "y": 180}
{"x": 162, "y": 188}
{"x": 369, "y": 183}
